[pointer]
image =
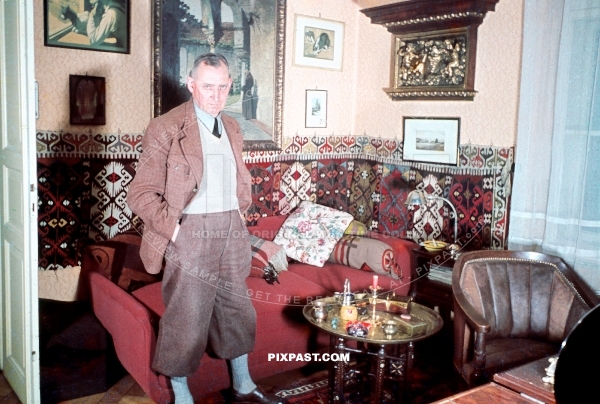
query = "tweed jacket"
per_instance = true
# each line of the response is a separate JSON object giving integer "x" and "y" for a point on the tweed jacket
{"x": 169, "y": 173}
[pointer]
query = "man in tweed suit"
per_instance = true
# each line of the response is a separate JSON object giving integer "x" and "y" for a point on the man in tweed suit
{"x": 190, "y": 188}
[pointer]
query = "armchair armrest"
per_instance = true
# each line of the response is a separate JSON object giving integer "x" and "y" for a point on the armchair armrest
{"x": 585, "y": 291}
{"x": 470, "y": 329}
{"x": 475, "y": 320}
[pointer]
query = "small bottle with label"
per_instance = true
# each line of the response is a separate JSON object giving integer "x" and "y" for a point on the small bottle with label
{"x": 348, "y": 311}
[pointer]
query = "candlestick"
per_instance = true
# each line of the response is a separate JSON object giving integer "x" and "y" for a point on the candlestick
{"x": 374, "y": 290}
{"x": 375, "y": 279}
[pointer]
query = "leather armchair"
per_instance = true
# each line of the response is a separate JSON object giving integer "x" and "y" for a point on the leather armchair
{"x": 512, "y": 307}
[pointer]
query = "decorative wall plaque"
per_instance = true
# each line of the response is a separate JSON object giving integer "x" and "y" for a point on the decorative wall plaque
{"x": 434, "y": 47}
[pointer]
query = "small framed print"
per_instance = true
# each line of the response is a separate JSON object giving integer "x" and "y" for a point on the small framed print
{"x": 431, "y": 140}
{"x": 318, "y": 43}
{"x": 316, "y": 109}
{"x": 87, "y": 99}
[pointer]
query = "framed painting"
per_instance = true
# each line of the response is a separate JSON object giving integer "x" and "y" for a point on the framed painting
{"x": 318, "y": 43}
{"x": 251, "y": 35}
{"x": 431, "y": 140}
{"x": 97, "y": 25}
{"x": 316, "y": 109}
{"x": 87, "y": 100}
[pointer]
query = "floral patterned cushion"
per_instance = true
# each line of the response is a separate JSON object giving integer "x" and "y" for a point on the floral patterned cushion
{"x": 311, "y": 232}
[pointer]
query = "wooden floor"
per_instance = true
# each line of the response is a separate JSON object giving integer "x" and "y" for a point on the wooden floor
{"x": 7, "y": 396}
{"x": 433, "y": 379}
{"x": 126, "y": 391}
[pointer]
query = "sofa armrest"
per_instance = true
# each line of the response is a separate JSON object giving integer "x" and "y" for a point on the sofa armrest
{"x": 130, "y": 325}
{"x": 102, "y": 258}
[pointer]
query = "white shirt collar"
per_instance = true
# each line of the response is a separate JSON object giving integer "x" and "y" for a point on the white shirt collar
{"x": 208, "y": 120}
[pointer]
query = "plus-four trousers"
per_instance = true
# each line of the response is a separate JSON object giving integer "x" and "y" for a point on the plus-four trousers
{"x": 205, "y": 294}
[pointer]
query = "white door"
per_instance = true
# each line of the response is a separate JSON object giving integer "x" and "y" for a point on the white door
{"x": 18, "y": 202}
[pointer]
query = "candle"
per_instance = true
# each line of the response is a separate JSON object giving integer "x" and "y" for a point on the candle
{"x": 375, "y": 279}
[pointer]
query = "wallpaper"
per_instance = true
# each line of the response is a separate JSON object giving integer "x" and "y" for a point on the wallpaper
{"x": 356, "y": 105}
{"x": 354, "y": 163}
{"x": 128, "y": 77}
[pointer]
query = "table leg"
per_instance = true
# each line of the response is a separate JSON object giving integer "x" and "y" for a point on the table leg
{"x": 398, "y": 371}
{"x": 410, "y": 356}
{"x": 379, "y": 374}
{"x": 332, "y": 369}
{"x": 336, "y": 378}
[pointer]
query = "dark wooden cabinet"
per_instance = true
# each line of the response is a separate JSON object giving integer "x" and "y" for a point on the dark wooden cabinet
{"x": 432, "y": 281}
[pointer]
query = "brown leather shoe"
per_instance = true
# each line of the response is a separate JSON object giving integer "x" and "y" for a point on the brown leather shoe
{"x": 257, "y": 396}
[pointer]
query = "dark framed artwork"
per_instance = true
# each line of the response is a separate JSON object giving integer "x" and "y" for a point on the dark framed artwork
{"x": 97, "y": 25}
{"x": 87, "y": 100}
{"x": 251, "y": 35}
{"x": 431, "y": 140}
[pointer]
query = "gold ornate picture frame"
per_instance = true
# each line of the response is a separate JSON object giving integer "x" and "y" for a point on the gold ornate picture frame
{"x": 251, "y": 35}
{"x": 436, "y": 65}
{"x": 434, "y": 47}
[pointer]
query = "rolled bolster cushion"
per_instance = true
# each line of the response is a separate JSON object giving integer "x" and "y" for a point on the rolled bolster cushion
{"x": 366, "y": 254}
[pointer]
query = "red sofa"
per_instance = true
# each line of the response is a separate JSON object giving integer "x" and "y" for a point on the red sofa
{"x": 132, "y": 318}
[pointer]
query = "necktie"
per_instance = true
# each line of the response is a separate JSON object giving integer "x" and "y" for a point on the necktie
{"x": 216, "y": 129}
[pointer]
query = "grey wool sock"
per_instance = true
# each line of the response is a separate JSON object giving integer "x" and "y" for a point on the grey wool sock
{"x": 181, "y": 390}
{"x": 242, "y": 382}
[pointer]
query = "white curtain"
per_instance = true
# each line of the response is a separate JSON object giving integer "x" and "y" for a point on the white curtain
{"x": 556, "y": 193}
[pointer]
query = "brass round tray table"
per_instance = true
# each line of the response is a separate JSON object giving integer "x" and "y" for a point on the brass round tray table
{"x": 377, "y": 356}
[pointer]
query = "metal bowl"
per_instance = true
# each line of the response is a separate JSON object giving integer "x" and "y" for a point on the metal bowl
{"x": 434, "y": 246}
{"x": 319, "y": 311}
{"x": 390, "y": 327}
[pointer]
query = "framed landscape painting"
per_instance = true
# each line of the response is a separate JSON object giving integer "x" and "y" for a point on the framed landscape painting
{"x": 251, "y": 35}
{"x": 431, "y": 140}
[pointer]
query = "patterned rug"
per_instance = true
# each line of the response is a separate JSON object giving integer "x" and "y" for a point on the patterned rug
{"x": 312, "y": 390}
{"x": 433, "y": 378}
{"x": 304, "y": 390}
